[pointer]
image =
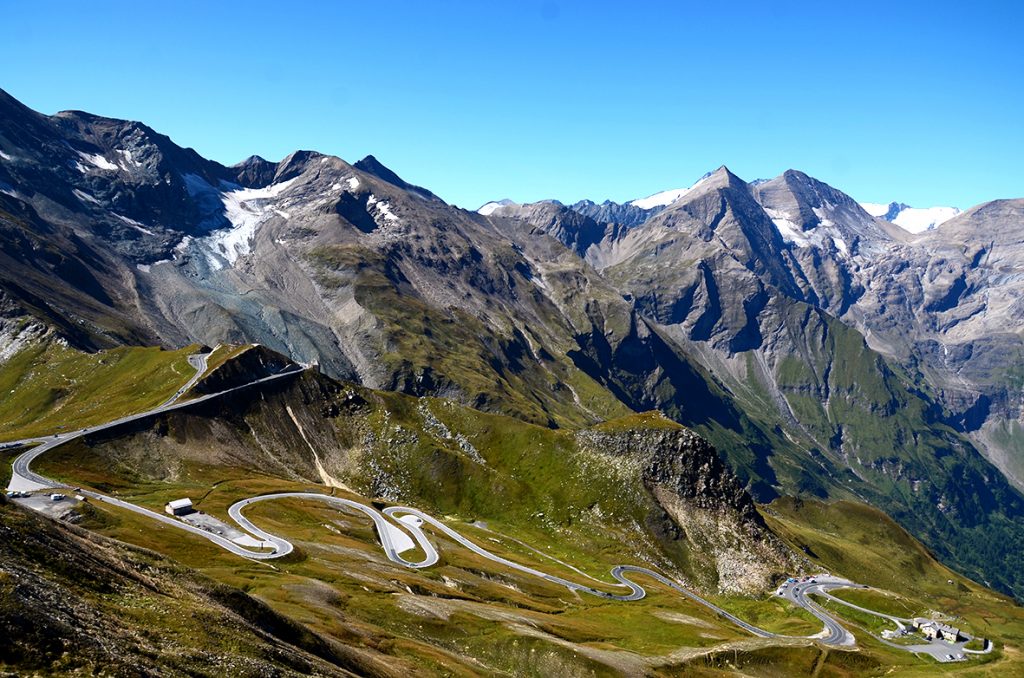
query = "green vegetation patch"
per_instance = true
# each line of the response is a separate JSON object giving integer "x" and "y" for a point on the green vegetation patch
{"x": 879, "y": 601}
{"x": 49, "y": 387}
{"x": 773, "y": 614}
{"x": 870, "y": 622}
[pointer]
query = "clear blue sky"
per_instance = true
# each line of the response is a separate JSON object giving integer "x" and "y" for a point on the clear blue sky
{"x": 921, "y": 102}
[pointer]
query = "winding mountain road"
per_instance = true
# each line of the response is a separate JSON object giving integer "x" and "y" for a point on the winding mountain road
{"x": 798, "y": 593}
{"x": 390, "y": 534}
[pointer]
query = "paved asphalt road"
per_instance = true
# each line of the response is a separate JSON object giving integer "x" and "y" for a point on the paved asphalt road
{"x": 384, "y": 528}
{"x": 23, "y": 478}
{"x": 797, "y": 592}
{"x": 198, "y": 363}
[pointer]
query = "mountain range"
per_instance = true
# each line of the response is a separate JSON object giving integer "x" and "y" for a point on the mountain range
{"x": 824, "y": 350}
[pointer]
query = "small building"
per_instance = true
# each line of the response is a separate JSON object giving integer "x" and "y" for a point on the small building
{"x": 950, "y": 633}
{"x": 931, "y": 630}
{"x": 179, "y": 507}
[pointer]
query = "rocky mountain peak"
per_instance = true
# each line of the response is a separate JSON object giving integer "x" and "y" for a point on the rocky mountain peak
{"x": 376, "y": 168}
{"x": 295, "y": 163}
{"x": 11, "y": 106}
{"x": 809, "y": 212}
{"x": 807, "y": 191}
{"x": 608, "y": 212}
{"x": 255, "y": 172}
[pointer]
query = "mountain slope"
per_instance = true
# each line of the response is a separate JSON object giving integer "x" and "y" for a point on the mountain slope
{"x": 638, "y": 489}
{"x": 751, "y": 279}
{"x": 74, "y": 603}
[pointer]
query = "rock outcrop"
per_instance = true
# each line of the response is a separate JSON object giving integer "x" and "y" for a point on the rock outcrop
{"x": 727, "y": 540}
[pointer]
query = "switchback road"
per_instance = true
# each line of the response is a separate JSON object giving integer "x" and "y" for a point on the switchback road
{"x": 393, "y": 537}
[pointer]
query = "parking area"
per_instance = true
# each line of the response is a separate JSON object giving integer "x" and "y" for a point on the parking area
{"x": 940, "y": 650}
{"x": 44, "y": 503}
{"x": 204, "y": 521}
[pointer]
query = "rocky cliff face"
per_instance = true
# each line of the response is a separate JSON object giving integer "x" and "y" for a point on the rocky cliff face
{"x": 707, "y": 508}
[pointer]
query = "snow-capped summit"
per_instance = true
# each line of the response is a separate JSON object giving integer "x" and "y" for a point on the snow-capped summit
{"x": 666, "y": 198}
{"x": 492, "y": 207}
{"x": 912, "y": 219}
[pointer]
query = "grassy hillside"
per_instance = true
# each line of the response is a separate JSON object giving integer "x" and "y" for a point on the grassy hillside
{"x": 48, "y": 387}
{"x": 522, "y": 372}
{"x": 74, "y": 603}
{"x": 571, "y": 502}
{"x": 560, "y": 487}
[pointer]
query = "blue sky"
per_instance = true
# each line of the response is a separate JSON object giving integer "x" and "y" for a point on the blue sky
{"x": 920, "y": 102}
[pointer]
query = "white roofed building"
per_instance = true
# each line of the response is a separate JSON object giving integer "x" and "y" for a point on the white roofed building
{"x": 179, "y": 507}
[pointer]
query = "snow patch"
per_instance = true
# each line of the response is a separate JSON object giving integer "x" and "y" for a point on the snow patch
{"x": 143, "y": 267}
{"x": 875, "y": 209}
{"x": 246, "y": 209}
{"x": 492, "y": 207}
{"x": 8, "y": 158}
{"x": 97, "y": 160}
{"x": 385, "y": 211}
{"x": 85, "y": 197}
{"x": 127, "y": 160}
{"x": 789, "y": 231}
{"x": 660, "y": 199}
{"x": 911, "y": 219}
{"x": 9, "y": 190}
{"x": 827, "y": 231}
{"x": 382, "y": 208}
{"x": 14, "y": 338}
{"x": 924, "y": 219}
{"x": 353, "y": 183}
{"x": 180, "y": 248}
{"x": 138, "y": 226}
{"x": 666, "y": 198}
